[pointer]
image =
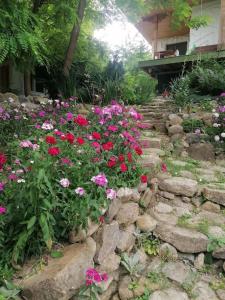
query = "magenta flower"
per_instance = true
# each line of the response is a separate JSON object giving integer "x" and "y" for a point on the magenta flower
{"x": 2, "y": 210}
{"x": 2, "y": 185}
{"x": 41, "y": 114}
{"x": 93, "y": 277}
{"x": 100, "y": 180}
{"x": 69, "y": 116}
{"x": 111, "y": 194}
{"x": 112, "y": 128}
{"x": 80, "y": 191}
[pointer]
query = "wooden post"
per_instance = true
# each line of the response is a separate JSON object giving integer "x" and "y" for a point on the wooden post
{"x": 222, "y": 26}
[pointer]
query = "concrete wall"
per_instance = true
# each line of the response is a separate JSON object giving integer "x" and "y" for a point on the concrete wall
{"x": 161, "y": 44}
{"x": 208, "y": 35}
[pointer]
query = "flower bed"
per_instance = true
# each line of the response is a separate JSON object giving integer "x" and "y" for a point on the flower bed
{"x": 62, "y": 170}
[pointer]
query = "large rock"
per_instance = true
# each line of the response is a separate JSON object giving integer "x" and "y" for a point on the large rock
{"x": 168, "y": 252}
{"x": 175, "y": 129}
{"x": 214, "y": 195}
{"x": 175, "y": 119}
{"x": 221, "y": 294}
{"x": 114, "y": 208}
{"x": 124, "y": 292}
{"x": 107, "y": 295}
{"x": 147, "y": 198}
{"x": 179, "y": 186}
{"x": 127, "y": 239}
{"x": 202, "y": 151}
{"x": 219, "y": 253}
{"x": 184, "y": 240}
{"x": 210, "y": 206}
{"x": 146, "y": 223}
{"x": 62, "y": 276}
{"x": 176, "y": 271}
{"x": 204, "y": 292}
{"x": 128, "y": 213}
{"x": 110, "y": 263}
{"x": 169, "y": 294}
{"x": 150, "y": 161}
{"x": 125, "y": 194}
{"x": 110, "y": 238}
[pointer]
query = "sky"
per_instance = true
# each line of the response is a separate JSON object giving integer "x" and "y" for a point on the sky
{"x": 119, "y": 34}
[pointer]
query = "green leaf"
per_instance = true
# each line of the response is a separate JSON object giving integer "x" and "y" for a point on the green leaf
{"x": 45, "y": 230}
{"x": 31, "y": 222}
{"x": 56, "y": 254}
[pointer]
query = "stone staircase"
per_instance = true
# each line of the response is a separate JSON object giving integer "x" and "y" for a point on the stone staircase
{"x": 156, "y": 112}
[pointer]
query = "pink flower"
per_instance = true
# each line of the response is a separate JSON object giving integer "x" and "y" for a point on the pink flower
{"x": 41, "y": 113}
{"x": 93, "y": 276}
{"x": 100, "y": 180}
{"x": 69, "y": 116}
{"x": 2, "y": 185}
{"x": 64, "y": 182}
{"x": 66, "y": 161}
{"x": 2, "y": 210}
{"x": 26, "y": 144}
{"x": 111, "y": 194}
{"x": 80, "y": 191}
{"x": 112, "y": 128}
{"x": 164, "y": 168}
{"x": 35, "y": 147}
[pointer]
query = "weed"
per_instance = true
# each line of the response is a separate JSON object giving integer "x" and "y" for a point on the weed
{"x": 203, "y": 226}
{"x": 215, "y": 243}
{"x": 133, "y": 285}
{"x": 145, "y": 296}
{"x": 183, "y": 221}
{"x": 130, "y": 263}
{"x": 189, "y": 283}
{"x": 9, "y": 291}
{"x": 158, "y": 278}
{"x": 218, "y": 284}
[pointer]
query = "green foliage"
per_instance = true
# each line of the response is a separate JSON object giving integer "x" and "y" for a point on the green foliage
{"x": 215, "y": 243}
{"x": 190, "y": 125}
{"x": 183, "y": 221}
{"x": 130, "y": 263}
{"x": 180, "y": 91}
{"x": 145, "y": 296}
{"x": 9, "y": 291}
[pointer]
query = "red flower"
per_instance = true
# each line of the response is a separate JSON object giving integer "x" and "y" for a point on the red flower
{"x": 81, "y": 121}
{"x": 3, "y": 159}
{"x": 144, "y": 179}
{"x": 129, "y": 157}
{"x": 164, "y": 167}
{"x": 121, "y": 158}
{"x": 96, "y": 135}
{"x": 50, "y": 140}
{"x": 112, "y": 162}
{"x": 101, "y": 219}
{"x": 54, "y": 151}
{"x": 123, "y": 167}
{"x": 107, "y": 146}
{"x": 138, "y": 150}
{"x": 80, "y": 141}
{"x": 70, "y": 138}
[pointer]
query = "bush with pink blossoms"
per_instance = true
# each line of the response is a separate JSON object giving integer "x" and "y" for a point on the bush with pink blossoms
{"x": 59, "y": 174}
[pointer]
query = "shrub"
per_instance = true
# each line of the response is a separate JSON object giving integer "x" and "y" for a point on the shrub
{"x": 180, "y": 91}
{"x": 64, "y": 173}
{"x": 191, "y": 125}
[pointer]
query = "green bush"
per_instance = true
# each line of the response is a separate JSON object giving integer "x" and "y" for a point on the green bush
{"x": 191, "y": 125}
{"x": 180, "y": 91}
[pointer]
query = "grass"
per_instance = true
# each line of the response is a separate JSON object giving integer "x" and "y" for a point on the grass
{"x": 189, "y": 283}
{"x": 183, "y": 221}
{"x": 159, "y": 279}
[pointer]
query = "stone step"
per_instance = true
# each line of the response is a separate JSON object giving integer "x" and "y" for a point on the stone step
{"x": 153, "y": 142}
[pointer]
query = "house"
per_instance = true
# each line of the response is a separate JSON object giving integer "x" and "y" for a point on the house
{"x": 176, "y": 50}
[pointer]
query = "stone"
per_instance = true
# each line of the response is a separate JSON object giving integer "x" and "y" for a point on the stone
{"x": 175, "y": 129}
{"x": 219, "y": 253}
{"x": 187, "y": 257}
{"x": 169, "y": 294}
{"x": 116, "y": 297}
{"x": 142, "y": 187}
{"x": 110, "y": 263}
{"x": 136, "y": 195}
{"x": 179, "y": 186}
{"x": 202, "y": 151}
{"x": 92, "y": 227}
{"x": 104, "y": 285}
{"x": 128, "y": 213}
{"x": 146, "y": 223}
{"x": 63, "y": 276}
{"x": 127, "y": 239}
{"x": 147, "y": 198}
{"x": 176, "y": 271}
{"x": 187, "y": 174}
{"x": 107, "y": 295}
{"x": 216, "y": 232}
{"x": 168, "y": 252}
{"x": 125, "y": 194}
{"x": 199, "y": 261}
{"x": 210, "y": 206}
{"x": 150, "y": 161}
{"x": 114, "y": 208}
{"x": 75, "y": 237}
{"x": 184, "y": 240}
{"x": 110, "y": 238}
{"x": 221, "y": 294}
{"x": 167, "y": 195}
{"x": 186, "y": 199}
{"x": 124, "y": 292}
{"x": 154, "y": 142}
{"x": 214, "y": 195}
{"x": 203, "y": 291}
{"x": 175, "y": 119}
{"x": 141, "y": 258}
{"x": 155, "y": 151}
{"x": 163, "y": 208}
{"x": 174, "y": 138}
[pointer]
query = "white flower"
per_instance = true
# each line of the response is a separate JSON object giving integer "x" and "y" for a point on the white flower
{"x": 223, "y": 134}
{"x": 47, "y": 126}
{"x": 31, "y": 161}
{"x": 213, "y": 110}
{"x": 216, "y": 115}
{"x": 217, "y": 138}
{"x": 215, "y": 125}
{"x": 111, "y": 194}
{"x": 64, "y": 182}
{"x": 21, "y": 181}
{"x": 80, "y": 191}
{"x": 11, "y": 100}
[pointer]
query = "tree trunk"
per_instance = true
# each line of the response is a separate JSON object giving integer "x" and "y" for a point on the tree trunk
{"x": 73, "y": 38}
{"x": 27, "y": 83}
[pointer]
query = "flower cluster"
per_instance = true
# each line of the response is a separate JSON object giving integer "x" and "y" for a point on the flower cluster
{"x": 94, "y": 277}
